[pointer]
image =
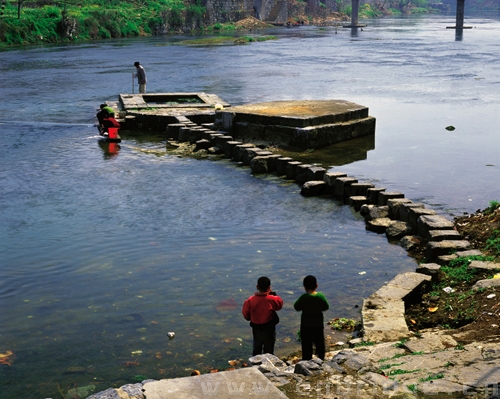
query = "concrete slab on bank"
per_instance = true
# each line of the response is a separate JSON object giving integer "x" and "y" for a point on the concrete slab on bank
{"x": 242, "y": 383}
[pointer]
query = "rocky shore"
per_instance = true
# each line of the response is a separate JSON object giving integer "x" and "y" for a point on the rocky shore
{"x": 430, "y": 365}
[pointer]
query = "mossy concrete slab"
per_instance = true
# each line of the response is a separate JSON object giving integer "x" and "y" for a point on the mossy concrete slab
{"x": 302, "y": 123}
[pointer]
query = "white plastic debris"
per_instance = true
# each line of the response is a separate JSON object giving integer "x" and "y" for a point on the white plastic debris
{"x": 491, "y": 296}
{"x": 448, "y": 290}
{"x": 171, "y": 334}
{"x": 361, "y": 273}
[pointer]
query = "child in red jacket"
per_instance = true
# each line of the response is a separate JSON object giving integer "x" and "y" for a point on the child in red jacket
{"x": 260, "y": 309}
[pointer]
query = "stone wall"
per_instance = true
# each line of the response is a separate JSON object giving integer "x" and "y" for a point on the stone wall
{"x": 228, "y": 10}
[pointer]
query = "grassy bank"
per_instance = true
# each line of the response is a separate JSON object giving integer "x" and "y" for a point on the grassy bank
{"x": 46, "y": 23}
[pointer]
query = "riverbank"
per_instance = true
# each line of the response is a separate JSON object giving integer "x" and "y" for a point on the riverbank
{"x": 28, "y": 23}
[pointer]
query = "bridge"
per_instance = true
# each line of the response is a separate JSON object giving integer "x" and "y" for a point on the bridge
{"x": 277, "y": 12}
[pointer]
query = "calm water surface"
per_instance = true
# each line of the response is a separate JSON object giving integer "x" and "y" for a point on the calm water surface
{"x": 102, "y": 256}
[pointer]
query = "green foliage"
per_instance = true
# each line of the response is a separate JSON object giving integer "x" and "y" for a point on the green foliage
{"x": 400, "y": 344}
{"x": 400, "y": 371}
{"x": 98, "y": 19}
{"x": 432, "y": 377}
{"x": 457, "y": 271}
{"x": 343, "y": 5}
{"x": 341, "y": 323}
{"x": 140, "y": 377}
{"x": 493, "y": 243}
{"x": 366, "y": 11}
{"x": 493, "y": 206}
{"x": 388, "y": 366}
{"x": 398, "y": 355}
{"x": 364, "y": 343}
{"x": 412, "y": 387}
{"x": 250, "y": 39}
{"x": 197, "y": 9}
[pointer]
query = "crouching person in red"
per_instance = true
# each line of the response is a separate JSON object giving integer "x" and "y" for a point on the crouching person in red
{"x": 260, "y": 309}
{"x": 109, "y": 122}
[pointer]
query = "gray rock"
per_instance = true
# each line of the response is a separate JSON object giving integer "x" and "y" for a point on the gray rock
{"x": 356, "y": 362}
{"x": 214, "y": 150}
{"x": 438, "y": 248}
{"x": 82, "y": 391}
{"x": 374, "y": 212}
{"x": 430, "y": 343}
{"x": 398, "y": 230}
{"x": 258, "y": 165}
{"x": 357, "y": 202}
{"x": 134, "y": 391}
{"x": 430, "y": 269}
{"x": 441, "y": 386}
{"x": 337, "y": 368}
{"x": 385, "y": 196}
{"x": 440, "y": 235}
{"x": 395, "y": 207}
{"x": 316, "y": 173}
{"x": 109, "y": 393}
{"x": 379, "y": 225}
{"x": 330, "y": 177}
{"x": 342, "y": 356}
{"x": 302, "y": 369}
{"x": 311, "y": 364}
{"x": 318, "y": 361}
{"x": 478, "y": 264}
{"x": 492, "y": 282}
{"x": 313, "y": 188}
{"x": 372, "y": 194}
{"x": 380, "y": 380}
{"x": 202, "y": 145}
{"x": 359, "y": 189}
{"x": 410, "y": 242}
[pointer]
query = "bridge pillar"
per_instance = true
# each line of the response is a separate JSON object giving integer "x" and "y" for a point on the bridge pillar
{"x": 355, "y": 12}
{"x": 354, "y": 16}
{"x": 460, "y": 14}
{"x": 459, "y": 24}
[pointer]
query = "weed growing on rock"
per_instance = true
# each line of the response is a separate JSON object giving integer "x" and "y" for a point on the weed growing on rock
{"x": 401, "y": 371}
{"x": 432, "y": 377}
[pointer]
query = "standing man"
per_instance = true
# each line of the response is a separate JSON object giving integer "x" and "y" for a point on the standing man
{"x": 141, "y": 77}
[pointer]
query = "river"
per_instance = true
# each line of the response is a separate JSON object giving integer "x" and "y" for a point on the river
{"x": 102, "y": 256}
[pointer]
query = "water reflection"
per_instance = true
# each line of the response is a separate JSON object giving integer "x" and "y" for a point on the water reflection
{"x": 339, "y": 154}
{"x": 110, "y": 150}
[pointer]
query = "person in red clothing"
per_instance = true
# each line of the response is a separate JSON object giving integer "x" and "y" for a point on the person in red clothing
{"x": 260, "y": 309}
{"x": 109, "y": 121}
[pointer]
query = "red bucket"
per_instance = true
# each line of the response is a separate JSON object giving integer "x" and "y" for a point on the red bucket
{"x": 113, "y": 132}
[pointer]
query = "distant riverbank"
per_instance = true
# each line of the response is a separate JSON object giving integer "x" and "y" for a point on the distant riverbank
{"x": 30, "y": 23}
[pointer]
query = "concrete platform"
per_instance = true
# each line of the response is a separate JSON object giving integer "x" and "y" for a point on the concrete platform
{"x": 303, "y": 123}
{"x": 170, "y": 101}
{"x": 236, "y": 384}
